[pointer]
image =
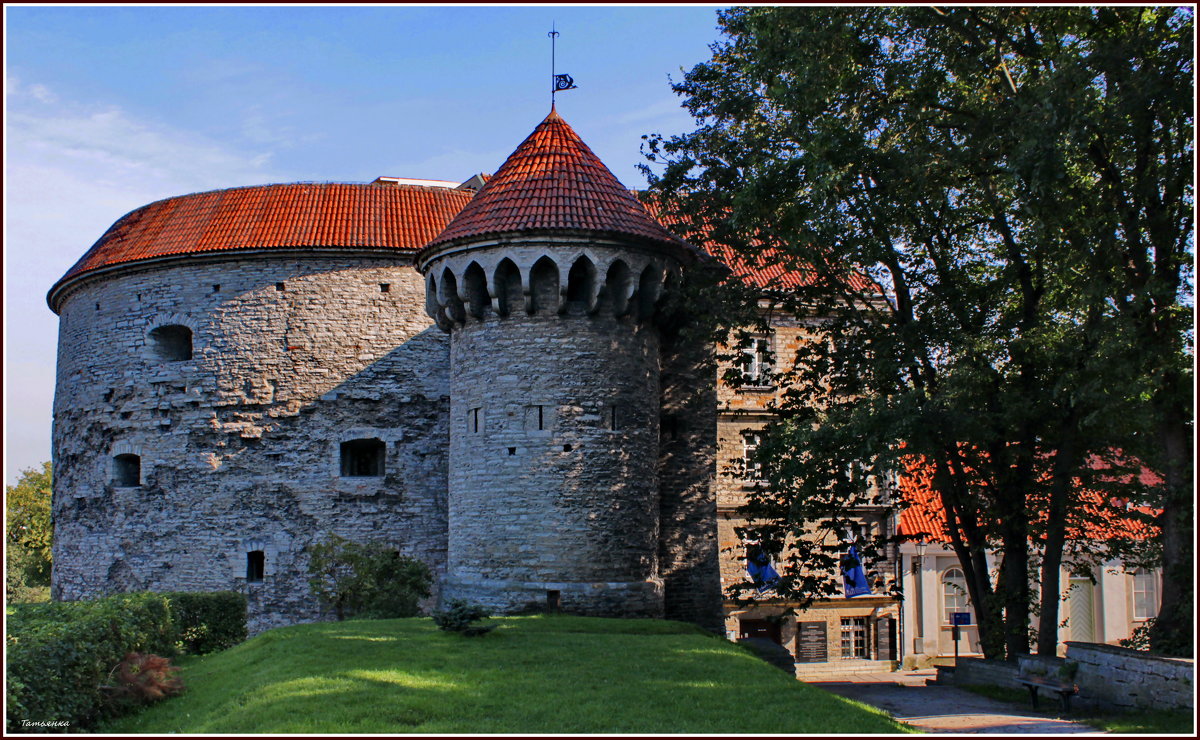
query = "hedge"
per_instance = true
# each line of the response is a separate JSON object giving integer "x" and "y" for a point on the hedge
{"x": 208, "y": 622}
{"x": 58, "y": 657}
{"x": 59, "y": 654}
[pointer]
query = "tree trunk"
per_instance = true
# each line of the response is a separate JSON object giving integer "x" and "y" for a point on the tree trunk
{"x": 1065, "y": 463}
{"x": 1173, "y": 631}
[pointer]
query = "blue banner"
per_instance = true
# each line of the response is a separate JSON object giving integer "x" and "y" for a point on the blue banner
{"x": 758, "y": 565}
{"x": 854, "y": 579}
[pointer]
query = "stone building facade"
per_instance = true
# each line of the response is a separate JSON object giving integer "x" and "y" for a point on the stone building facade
{"x": 242, "y": 372}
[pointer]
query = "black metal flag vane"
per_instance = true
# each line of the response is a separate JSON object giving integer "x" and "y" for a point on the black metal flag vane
{"x": 563, "y": 81}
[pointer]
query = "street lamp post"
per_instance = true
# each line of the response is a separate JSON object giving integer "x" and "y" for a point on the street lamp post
{"x": 918, "y": 575}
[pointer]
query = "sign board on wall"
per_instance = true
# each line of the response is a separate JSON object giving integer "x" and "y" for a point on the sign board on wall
{"x": 812, "y": 644}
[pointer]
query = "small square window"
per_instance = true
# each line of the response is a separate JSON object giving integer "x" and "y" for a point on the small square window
{"x": 278, "y": 286}
{"x": 385, "y": 287}
{"x": 127, "y": 471}
{"x": 363, "y": 458}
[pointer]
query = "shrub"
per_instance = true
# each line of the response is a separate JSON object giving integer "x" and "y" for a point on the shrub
{"x": 59, "y": 654}
{"x": 371, "y": 579}
{"x": 459, "y": 615}
{"x": 143, "y": 678}
{"x": 208, "y": 622}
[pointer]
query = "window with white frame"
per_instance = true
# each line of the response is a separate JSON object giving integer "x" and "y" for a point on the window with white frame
{"x": 1145, "y": 594}
{"x": 954, "y": 594}
{"x": 757, "y": 362}
{"x": 752, "y": 468}
{"x": 854, "y": 638}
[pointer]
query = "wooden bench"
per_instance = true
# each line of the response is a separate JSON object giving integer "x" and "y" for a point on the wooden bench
{"x": 1035, "y": 672}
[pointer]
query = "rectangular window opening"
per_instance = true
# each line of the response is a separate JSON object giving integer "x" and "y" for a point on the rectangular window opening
{"x": 757, "y": 363}
{"x": 612, "y": 417}
{"x": 752, "y": 467}
{"x": 362, "y": 458}
{"x": 216, "y": 287}
{"x": 854, "y": 638}
{"x": 512, "y": 451}
{"x": 256, "y": 566}
{"x": 385, "y": 287}
{"x": 473, "y": 420}
{"x": 541, "y": 412}
{"x": 278, "y": 286}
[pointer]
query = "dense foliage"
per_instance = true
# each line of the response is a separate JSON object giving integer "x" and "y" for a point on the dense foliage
{"x": 28, "y": 533}
{"x": 993, "y": 210}
{"x": 366, "y": 579}
{"x": 64, "y": 658}
{"x": 60, "y": 654}
{"x": 206, "y": 622}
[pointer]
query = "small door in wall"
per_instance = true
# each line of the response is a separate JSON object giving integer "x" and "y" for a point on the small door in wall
{"x": 760, "y": 628}
{"x": 1082, "y": 619}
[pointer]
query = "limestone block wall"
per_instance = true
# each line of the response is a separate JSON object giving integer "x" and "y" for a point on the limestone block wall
{"x": 689, "y": 559}
{"x": 239, "y": 445}
{"x": 554, "y": 438}
{"x": 1117, "y": 677}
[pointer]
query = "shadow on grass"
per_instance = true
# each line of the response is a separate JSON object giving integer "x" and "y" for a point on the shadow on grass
{"x": 532, "y": 675}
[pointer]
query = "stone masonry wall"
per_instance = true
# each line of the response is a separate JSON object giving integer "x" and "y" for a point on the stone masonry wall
{"x": 1116, "y": 677}
{"x": 689, "y": 561}
{"x": 574, "y": 502}
{"x": 239, "y": 446}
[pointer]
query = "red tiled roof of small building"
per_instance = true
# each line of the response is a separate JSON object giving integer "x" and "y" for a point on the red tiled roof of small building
{"x": 554, "y": 181}
{"x": 923, "y": 517}
{"x": 296, "y": 215}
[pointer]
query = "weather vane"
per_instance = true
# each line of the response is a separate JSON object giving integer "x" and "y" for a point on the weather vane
{"x": 563, "y": 81}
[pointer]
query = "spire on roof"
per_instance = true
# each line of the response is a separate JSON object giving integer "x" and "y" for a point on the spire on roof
{"x": 553, "y": 181}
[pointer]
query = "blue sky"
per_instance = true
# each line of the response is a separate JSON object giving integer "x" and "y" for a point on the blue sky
{"x": 107, "y": 109}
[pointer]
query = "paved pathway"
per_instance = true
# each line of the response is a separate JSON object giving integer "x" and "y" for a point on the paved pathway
{"x": 944, "y": 709}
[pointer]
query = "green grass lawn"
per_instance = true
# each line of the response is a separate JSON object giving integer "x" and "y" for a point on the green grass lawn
{"x": 531, "y": 675}
{"x": 1125, "y": 723}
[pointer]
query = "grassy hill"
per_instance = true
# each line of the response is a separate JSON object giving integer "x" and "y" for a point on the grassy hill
{"x": 531, "y": 675}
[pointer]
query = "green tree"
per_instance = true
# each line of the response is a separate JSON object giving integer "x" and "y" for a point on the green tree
{"x": 29, "y": 531}
{"x": 934, "y": 173}
{"x": 366, "y": 579}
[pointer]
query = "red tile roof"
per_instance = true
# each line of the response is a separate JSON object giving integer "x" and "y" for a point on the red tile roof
{"x": 554, "y": 181}
{"x": 767, "y": 269}
{"x": 305, "y": 215}
{"x": 922, "y": 515}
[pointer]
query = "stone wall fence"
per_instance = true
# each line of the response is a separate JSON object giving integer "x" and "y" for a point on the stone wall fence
{"x": 1109, "y": 677}
{"x": 1127, "y": 679}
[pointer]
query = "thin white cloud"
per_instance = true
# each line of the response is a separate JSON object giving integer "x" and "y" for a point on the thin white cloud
{"x": 70, "y": 171}
{"x": 665, "y": 109}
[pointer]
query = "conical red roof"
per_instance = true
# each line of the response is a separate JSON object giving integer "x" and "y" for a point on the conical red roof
{"x": 553, "y": 181}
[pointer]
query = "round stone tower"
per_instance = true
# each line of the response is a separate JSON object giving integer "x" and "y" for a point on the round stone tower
{"x": 548, "y": 283}
{"x": 241, "y": 372}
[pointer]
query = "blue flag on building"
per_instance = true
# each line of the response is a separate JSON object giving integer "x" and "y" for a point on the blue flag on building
{"x": 854, "y": 579}
{"x": 758, "y": 565}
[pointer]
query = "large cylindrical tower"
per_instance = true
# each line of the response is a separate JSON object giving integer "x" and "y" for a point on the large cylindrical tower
{"x": 548, "y": 283}
{"x": 241, "y": 372}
